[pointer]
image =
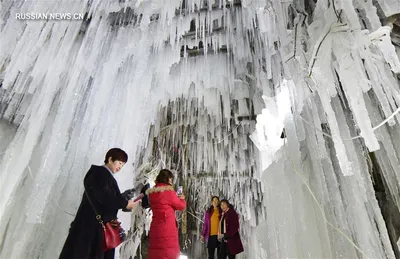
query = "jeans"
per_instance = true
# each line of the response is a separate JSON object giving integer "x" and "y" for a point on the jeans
{"x": 211, "y": 245}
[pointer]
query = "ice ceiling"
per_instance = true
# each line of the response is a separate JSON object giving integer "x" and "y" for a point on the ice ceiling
{"x": 288, "y": 108}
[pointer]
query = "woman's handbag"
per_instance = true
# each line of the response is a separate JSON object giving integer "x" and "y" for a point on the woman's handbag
{"x": 111, "y": 230}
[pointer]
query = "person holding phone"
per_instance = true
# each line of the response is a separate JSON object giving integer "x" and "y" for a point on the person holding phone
{"x": 85, "y": 238}
{"x": 163, "y": 235}
{"x": 210, "y": 227}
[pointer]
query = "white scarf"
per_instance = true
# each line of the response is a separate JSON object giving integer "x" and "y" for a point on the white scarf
{"x": 219, "y": 225}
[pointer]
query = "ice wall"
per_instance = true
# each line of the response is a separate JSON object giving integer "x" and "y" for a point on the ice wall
{"x": 324, "y": 72}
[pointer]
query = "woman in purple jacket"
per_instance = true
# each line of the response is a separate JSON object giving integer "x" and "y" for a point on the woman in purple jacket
{"x": 210, "y": 227}
{"x": 228, "y": 232}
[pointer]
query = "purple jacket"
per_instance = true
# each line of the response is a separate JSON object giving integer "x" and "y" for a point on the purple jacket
{"x": 206, "y": 226}
{"x": 232, "y": 235}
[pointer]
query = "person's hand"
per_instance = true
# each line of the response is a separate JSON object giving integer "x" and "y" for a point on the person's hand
{"x": 220, "y": 236}
{"x": 131, "y": 204}
{"x": 202, "y": 239}
{"x": 181, "y": 196}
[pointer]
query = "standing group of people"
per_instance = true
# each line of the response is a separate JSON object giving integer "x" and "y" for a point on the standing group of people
{"x": 102, "y": 199}
{"x": 221, "y": 230}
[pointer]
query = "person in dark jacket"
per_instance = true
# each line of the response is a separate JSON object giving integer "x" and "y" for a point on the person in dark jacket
{"x": 85, "y": 238}
{"x": 228, "y": 233}
{"x": 210, "y": 227}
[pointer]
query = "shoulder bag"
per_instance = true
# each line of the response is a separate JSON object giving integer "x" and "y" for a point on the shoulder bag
{"x": 111, "y": 230}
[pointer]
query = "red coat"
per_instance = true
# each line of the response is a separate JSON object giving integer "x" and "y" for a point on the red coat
{"x": 163, "y": 236}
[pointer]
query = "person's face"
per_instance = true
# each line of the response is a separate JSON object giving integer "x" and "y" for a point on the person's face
{"x": 115, "y": 166}
{"x": 224, "y": 206}
{"x": 215, "y": 202}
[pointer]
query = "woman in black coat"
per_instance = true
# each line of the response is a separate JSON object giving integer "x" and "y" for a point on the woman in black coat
{"x": 85, "y": 239}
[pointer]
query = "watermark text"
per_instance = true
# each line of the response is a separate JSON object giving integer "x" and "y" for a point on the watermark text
{"x": 49, "y": 16}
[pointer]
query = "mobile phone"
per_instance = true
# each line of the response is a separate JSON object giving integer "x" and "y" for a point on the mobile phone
{"x": 180, "y": 190}
{"x": 138, "y": 198}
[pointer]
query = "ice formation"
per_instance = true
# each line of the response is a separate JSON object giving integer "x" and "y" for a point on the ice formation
{"x": 275, "y": 105}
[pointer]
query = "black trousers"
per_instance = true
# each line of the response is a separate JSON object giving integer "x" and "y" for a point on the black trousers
{"x": 211, "y": 245}
{"x": 110, "y": 254}
{"x": 224, "y": 252}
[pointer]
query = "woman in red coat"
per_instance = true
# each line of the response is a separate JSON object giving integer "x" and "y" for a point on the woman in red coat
{"x": 163, "y": 236}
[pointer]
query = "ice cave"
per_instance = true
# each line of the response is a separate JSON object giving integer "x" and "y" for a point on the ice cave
{"x": 288, "y": 108}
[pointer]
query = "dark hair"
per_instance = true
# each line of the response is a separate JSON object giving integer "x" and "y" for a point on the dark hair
{"x": 211, "y": 208}
{"x": 164, "y": 175}
{"x": 227, "y": 203}
{"x": 116, "y": 154}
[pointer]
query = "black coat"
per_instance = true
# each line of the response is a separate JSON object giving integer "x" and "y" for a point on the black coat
{"x": 85, "y": 236}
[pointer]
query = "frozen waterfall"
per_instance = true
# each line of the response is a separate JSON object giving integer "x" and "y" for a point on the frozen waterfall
{"x": 289, "y": 109}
